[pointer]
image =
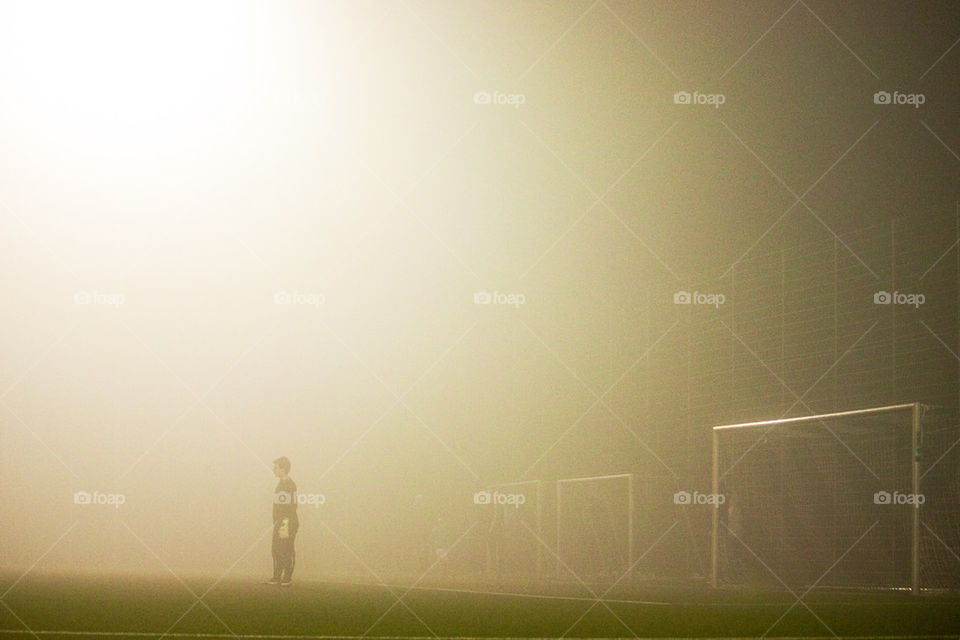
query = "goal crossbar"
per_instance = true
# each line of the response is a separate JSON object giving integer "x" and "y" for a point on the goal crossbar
{"x": 915, "y": 410}
{"x": 820, "y": 416}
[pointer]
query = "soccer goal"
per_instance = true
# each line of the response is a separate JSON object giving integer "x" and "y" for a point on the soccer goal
{"x": 594, "y": 519}
{"x": 511, "y": 527}
{"x": 831, "y": 500}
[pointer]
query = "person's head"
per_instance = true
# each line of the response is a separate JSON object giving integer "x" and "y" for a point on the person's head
{"x": 281, "y": 467}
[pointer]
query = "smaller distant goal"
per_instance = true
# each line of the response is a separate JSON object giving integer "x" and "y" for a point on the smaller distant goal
{"x": 511, "y": 530}
{"x": 595, "y": 523}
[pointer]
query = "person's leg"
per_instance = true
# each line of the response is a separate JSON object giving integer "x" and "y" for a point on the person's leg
{"x": 283, "y": 560}
{"x": 276, "y": 549}
{"x": 290, "y": 554}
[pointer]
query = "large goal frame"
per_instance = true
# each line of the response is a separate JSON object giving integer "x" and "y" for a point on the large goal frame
{"x": 915, "y": 409}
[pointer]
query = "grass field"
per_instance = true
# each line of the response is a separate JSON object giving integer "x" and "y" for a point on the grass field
{"x": 50, "y": 606}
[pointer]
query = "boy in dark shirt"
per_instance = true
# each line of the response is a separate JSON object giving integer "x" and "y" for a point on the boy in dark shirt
{"x": 285, "y": 523}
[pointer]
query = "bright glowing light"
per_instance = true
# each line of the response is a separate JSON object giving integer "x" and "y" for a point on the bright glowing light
{"x": 116, "y": 73}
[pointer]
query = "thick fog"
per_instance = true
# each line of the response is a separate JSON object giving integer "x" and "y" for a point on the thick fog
{"x": 422, "y": 249}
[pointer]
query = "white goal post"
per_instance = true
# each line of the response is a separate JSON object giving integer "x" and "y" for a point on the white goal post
{"x": 772, "y": 460}
{"x": 523, "y": 487}
{"x": 627, "y": 478}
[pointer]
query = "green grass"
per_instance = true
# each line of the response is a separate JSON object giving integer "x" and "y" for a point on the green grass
{"x": 158, "y": 604}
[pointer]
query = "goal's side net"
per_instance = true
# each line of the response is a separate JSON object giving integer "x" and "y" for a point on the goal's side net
{"x": 594, "y": 520}
{"x": 511, "y": 530}
{"x": 831, "y": 500}
{"x": 940, "y": 513}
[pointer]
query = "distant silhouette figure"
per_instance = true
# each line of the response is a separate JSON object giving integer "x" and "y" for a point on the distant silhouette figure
{"x": 285, "y": 523}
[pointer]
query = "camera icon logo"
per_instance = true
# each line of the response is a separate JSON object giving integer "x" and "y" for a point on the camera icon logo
{"x": 482, "y": 297}
{"x": 282, "y": 297}
{"x": 481, "y": 497}
{"x": 682, "y": 297}
{"x": 882, "y": 497}
{"x": 482, "y": 97}
{"x": 882, "y": 297}
{"x": 82, "y": 297}
{"x": 881, "y": 97}
{"x": 681, "y": 97}
{"x": 681, "y": 497}
{"x": 81, "y": 497}
{"x": 282, "y": 497}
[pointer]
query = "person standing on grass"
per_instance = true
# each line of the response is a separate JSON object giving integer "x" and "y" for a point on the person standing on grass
{"x": 285, "y": 523}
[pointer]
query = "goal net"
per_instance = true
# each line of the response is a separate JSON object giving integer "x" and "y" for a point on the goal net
{"x": 594, "y": 522}
{"x": 832, "y": 500}
{"x": 511, "y": 530}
